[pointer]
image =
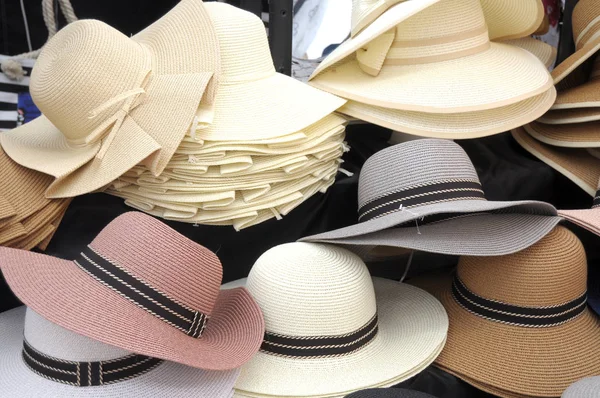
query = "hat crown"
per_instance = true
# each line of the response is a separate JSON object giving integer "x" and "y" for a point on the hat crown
{"x": 364, "y": 11}
{"x": 413, "y": 164}
{"x": 55, "y": 341}
{"x": 308, "y": 289}
{"x": 162, "y": 258}
{"x": 586, "y": 22}
{"x": 550, "y": 273}
{"x": 83, "y": 66}
{"x": 245, "y": 53}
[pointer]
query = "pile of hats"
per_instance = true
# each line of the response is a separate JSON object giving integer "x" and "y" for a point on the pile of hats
{"x": 567, "y": 137}
{"x": 196, "y": 126}
{"x": 428, "y": 67}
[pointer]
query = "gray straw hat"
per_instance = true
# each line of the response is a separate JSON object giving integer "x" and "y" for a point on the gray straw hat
{"x": 388, "y": 393}
{"x": 425, "y": 195}
{"x": 584, "y": 388}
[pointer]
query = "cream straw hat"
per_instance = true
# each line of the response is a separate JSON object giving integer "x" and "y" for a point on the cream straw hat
{"x": 331, "y": 329}
{"x": 434, "y": 62}
{"x": 543, "y": 51}
{"x": 111, "y": 102}
{"x": 506, "y": 19}
{"x": 251, "y": 93}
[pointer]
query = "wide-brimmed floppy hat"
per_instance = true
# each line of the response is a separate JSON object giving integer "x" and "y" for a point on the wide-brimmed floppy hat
{"x": 543, "y": 51}
{"x": 569, "y": 116}
{"x": 388, "y": 393}
{"x": 251, "y": 93}
{"x": 586, "y": 218}
{"x": 577, "y": 164}
{"x": 506, "y": 19}
{"x": 326, "y": 318}
{"x": 410, "y": 65}
{"x": 584, "y": 95}
{"x": 584, "y": 388}
{"x": 536, "y": 299}
{"x": 110, "y": 102}
{"x": 160, "y": 300}
{"x": 579, "y": 135}
{"x": 41, "y": 359}
{"x": 426, "y": 195}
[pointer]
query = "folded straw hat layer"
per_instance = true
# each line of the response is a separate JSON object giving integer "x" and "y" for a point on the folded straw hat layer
{"x": 570, "y": 116}
{"x": 580, "y": 135}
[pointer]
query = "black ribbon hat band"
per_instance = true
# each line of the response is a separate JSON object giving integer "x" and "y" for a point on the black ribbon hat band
{"x": 536, "y": 317}
{"x": 84, "y": 374}
{"x": 320, "y": 346}
{"x": 152, "y": 300}
{"x": 443, "y": 191}
{"x": 596, "y": 200}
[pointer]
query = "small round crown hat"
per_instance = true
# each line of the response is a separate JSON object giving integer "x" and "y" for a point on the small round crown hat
{"x": 433, "y": 62}
{"x": 159, "y": 300}
{"x": 388, "y": 393}
{"x": 507, "y": 19}
{"x": 519, "y": 324}
{"x": 584, "y": 388}
{"x": 42, "y": 359}
{"x": 251, "y": 93}
{"x": 325, "y": 318}
{"x": 426, "y": 195}
{"x": 110, "y": 102}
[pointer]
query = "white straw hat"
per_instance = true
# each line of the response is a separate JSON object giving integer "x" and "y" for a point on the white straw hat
{"x": 439, "y": 60}
{"x": 331, "y": 329}
{"x": 110, "y": 102}
{"x": 31, "y": 346}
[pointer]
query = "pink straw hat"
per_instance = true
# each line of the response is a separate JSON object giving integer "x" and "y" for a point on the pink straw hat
{"x": 145, "y": 288}
{"x": 586, "y": 218}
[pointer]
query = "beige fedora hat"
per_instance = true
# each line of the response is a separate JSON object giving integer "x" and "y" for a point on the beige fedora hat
{"x": 570, "y": 116}
{"x": 331, "y": 329}
{"x": 251, "y": 93}
{"x": 110, "y": 102}
{"x": 506, "y": 19}
{"x": 578, "y": 165}
{"x": 579, "y": 135}
{"x": 434, "y": 62}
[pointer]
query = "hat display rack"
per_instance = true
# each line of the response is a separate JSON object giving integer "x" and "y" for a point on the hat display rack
{"x": 420, "y": 218}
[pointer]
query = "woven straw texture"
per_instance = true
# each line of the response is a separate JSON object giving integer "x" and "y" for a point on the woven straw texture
{"x": 302, "y": 289}
{"x": 87, "y": 133}
{"x": 579, "y": 135}
{"x": 166, "y": 380}
{"x": 570, "y": 116}
{"x": 588, "y": 387}
{"x": 552, "y": 272}
{"x": 180, "y": 268}
{"x": 588, "y": 219}
{"x": 583, "y": 96}
{"x": 576, "y": 164}
{"x": 388, "y": 393}
{"x": 543, "y": 51}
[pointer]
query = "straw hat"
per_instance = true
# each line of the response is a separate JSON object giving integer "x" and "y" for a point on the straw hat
{"x": 251, "y": 93}
{"x": 570, "y": 116}
{"x": 578, "y": 165}
{"x": 104, "y": 295}
{"x": 32, "y": 345}
{"x": 584, "y": 95}
{"x": 411, "y": 66}
{"x": 431, "y": 189}
{"x": 326, "y": 318}
{"x": 152, "y": 84}
{"x": 584, "y": 388}
{"x": 586, "y": 218}
{"x": 389, "y": 393}
{"x": 579, "y": 135}
{"x": 535, "y": 298}
{"x": 543, "y": 51}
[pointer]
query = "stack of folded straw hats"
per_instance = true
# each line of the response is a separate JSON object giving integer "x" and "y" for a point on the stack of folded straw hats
{"x": 429, "y": 68}
{"x": 567, "y": 137}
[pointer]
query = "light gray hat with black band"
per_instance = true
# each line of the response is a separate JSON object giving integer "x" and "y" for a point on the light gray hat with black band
{"x": 426, "y": 195}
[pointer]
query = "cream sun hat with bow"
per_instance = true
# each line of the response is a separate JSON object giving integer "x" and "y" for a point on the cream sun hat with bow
{"x": 110, "y": 102}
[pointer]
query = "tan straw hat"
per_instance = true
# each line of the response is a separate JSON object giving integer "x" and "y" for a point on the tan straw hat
{"x": 579, "y": 135}
{"x": 519, "y": 324}
{"x": 507, "y": 19}
{"x": 440, "y": 60}
{"x": 569, "y": 116}
{"x": 110, "y": 102}
{"x": 585, "y": 95}
{"x": 578, "y": 165}
{"x": 331, "y": 329}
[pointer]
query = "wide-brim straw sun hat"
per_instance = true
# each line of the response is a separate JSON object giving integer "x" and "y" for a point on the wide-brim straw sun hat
{"x": 124, "y": 290}
{"x": 32, "y": 346}
{"x": 570, "y": 116}
{"x": 586, "y": 218}
{"x": 506, "y": 19}
{"x": 402, "y": 65}
{"x": 535, "y": 298}
{"x": 578, "y": 135}
{"x": 110, "y": 102}
{"x": 577, "y": 164}
{"x": 543, "y": 51}
{"x": 584, "y": 95}
{"x": 325, "y": 318}
{"x": 251, "y": 93}
{"x": 418, "y": 194}
{"x": 588, "y": 387}
{"x": 388, "y": 393}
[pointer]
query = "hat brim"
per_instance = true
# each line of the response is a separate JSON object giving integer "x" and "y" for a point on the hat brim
{"x": 574, "y": 61}
{"x": 492, "y": 353}
{"x": 584, "y": 388}
{"x": 168, "y": 379}
{"x": 389, "y": 393}
{"x": 291, "y": 106}
{"x": 472, "y": 235}
{"x": 588, "y": 219}
{"x": 463, "y": 125}
{"x": 576, "y": 164}
{"x": 586, "y": 95}
{"x": 570, "y": 116}
{"x": 402, "y": 311}
{"x": 543, "y": 51}
{"x": 63, "y": 293}
{"x": 454, "y": 207}
{"x": 580, "y": 135}
{"x": 444, "y": 87}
